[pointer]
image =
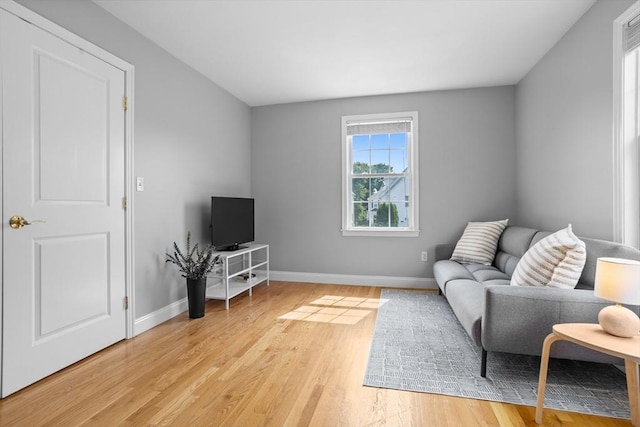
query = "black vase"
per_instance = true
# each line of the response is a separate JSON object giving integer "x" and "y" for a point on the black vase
{"x": 196, "y": 291}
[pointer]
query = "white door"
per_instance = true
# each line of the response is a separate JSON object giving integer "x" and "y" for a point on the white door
{"x": 63, "y": 163}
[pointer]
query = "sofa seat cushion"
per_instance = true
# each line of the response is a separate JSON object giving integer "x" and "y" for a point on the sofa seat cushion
{"x": 488, "y": 274}
{"x": 466, "y": 300}
{"x": 445, "y": 271}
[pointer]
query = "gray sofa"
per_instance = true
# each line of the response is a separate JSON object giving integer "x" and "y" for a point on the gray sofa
{"x": 515, "y": 319}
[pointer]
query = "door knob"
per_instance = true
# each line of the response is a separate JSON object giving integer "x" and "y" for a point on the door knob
{"x": 17, "y": 222}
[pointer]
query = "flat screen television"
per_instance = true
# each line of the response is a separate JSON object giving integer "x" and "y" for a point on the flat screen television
{"x": 232, "y": 222}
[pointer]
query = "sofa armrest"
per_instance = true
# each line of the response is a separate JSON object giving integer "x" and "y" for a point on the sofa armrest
{"x": 444, "y": 251}
{"x": 516, "y": 319}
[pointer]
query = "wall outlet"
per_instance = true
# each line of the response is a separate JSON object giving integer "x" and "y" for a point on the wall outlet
{"x": 424, "y": 256}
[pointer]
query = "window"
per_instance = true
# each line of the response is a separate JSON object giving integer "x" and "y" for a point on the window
{"x": 380, "y": 175}
{"x": 627, "y": 127}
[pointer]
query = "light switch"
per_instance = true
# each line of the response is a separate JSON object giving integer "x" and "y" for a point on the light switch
{"x": 140, "y": 183}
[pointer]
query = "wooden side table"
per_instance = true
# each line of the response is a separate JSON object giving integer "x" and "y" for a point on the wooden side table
{"x": 592, "y": 336}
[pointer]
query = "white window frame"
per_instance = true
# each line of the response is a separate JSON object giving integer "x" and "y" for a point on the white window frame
{"x": 626, "y": 168}
{"x": 412, "y": 230}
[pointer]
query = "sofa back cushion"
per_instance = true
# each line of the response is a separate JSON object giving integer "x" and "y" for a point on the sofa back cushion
{"x": 602, "y": 248}
{"x": 595, "y": 249}
{"x": 515, "y": 241}
{"x": 506, "y": 262}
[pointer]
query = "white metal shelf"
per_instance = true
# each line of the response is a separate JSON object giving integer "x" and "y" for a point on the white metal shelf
{"x": 226, "y": 281}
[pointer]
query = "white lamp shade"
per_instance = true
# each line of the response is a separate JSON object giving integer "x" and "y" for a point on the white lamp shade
{"x": 618, "y": 280}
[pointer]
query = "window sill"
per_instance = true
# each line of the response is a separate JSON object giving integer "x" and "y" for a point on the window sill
{"x": 372, "y": 232}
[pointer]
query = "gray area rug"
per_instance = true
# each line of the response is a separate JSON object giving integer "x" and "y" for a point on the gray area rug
{"x": 419, "y": 345}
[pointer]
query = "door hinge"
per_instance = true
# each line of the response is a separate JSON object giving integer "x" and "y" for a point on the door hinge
{"x": 124, "y": 203}
{"x": 125, "y": 103}
{"x": 125, "y": 303}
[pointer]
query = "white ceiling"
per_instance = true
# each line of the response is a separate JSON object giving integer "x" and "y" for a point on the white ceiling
{"x": 271, "y": 52}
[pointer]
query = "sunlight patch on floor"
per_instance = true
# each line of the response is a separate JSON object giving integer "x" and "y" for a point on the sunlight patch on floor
{"x": 335, "y": 309}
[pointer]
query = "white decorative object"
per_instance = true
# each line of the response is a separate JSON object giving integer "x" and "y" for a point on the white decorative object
{"x": 556, "y": 261}
{"x": 618, "y": 280}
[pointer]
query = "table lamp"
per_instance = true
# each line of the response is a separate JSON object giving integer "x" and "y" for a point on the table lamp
{"x": 618, "y": 280}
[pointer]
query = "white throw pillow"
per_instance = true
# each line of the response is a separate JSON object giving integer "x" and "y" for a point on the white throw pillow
{"x": 479, "y": 242}
{"x": 555, "y": 261}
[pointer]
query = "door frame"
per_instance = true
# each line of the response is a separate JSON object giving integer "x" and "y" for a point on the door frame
{"x": 128, "y": 69}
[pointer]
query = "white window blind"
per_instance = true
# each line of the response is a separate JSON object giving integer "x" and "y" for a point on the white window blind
{"x": 632, "y": 34}
{"x": 360, "y": 128}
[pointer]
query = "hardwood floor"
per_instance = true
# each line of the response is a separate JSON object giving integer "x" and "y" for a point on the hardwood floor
{"x": 248, "y": 367}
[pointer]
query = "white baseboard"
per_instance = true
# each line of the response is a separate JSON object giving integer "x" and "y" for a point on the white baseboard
{"x": 157, "y": 317}
{"x": 354, "y": 280}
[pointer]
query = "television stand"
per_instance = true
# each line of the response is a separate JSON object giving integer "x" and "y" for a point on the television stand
{"x": 238, "y": 271}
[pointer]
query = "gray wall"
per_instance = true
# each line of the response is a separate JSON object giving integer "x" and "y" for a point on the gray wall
{"x": 192, "y": 140}
{"x": 467, "y": 170}
{"x": 564, "y": 128}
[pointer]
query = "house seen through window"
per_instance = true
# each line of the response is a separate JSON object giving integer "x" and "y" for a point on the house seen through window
{"x": 380, "y": 174}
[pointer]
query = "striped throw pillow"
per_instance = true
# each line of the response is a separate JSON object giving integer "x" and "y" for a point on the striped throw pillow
{"x": 479, "y": 242}
{"x": 555, "y": 261}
